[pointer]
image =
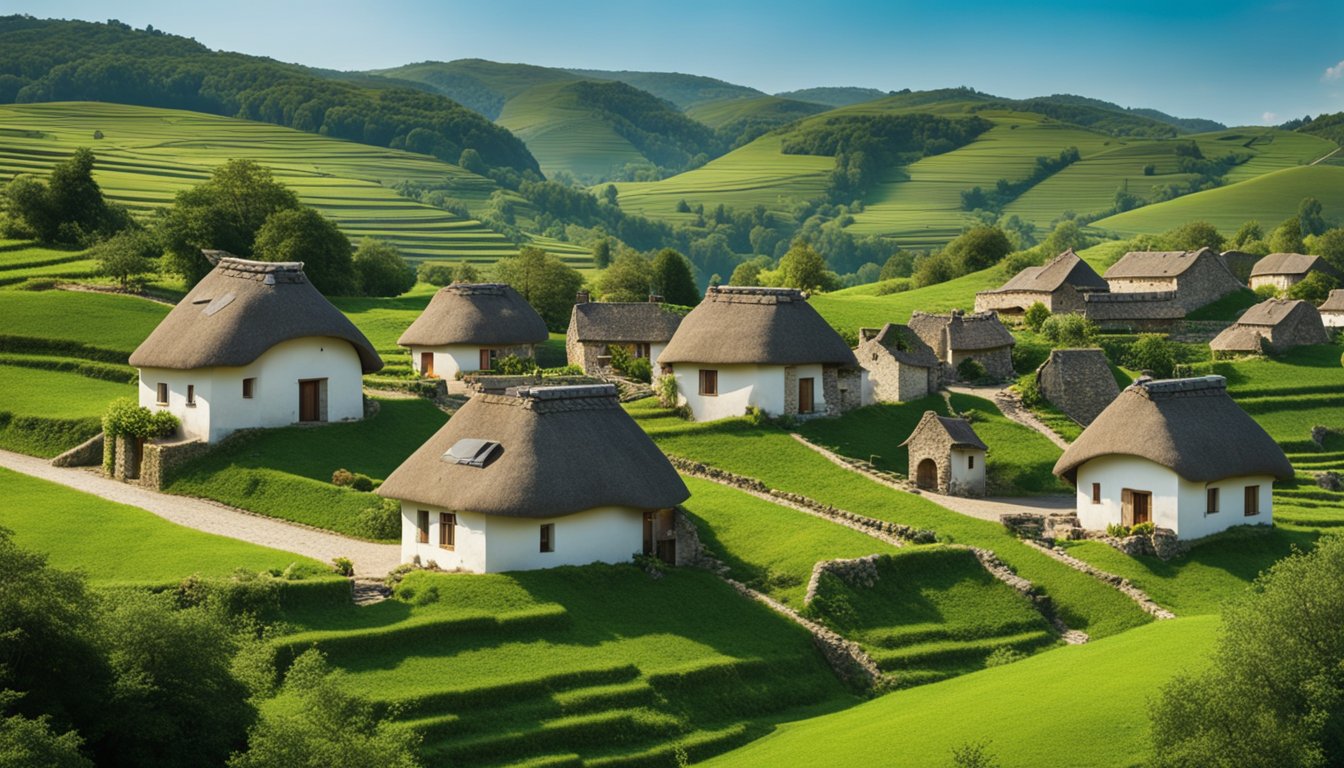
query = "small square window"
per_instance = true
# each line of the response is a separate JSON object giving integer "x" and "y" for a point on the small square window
{"x": 422, "y": 526}
{"x": 1096, "y": 493}
{"x": 1212, "y": 507}
{"x": 191, "y": 394}
{"x": 249, "y": 388}
{"x": 548, "y": 537}
{"x": 709, "y": 382}
{"x": 161, "y": 396}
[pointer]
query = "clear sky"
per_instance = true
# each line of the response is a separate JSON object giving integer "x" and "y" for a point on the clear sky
{"x": 1237, "y": 61}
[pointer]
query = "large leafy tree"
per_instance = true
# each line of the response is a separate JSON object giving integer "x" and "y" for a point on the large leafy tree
{"x": 1194, "y": 235}
{"x": 381, "y": 270}
{"x": 673, "y": 278}
{"x": 802, "y": 267}
{"x": 303, "y": 234}
{"x": 978, "y": 247}
{"x": 627, "y": 279}
{"x": 68, "y": 207}
{"x": 547, "y": 283}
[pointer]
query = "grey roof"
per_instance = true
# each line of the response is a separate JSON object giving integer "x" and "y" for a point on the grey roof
{"x": 1334, "y": 302}
{"x": 1274, "y": 322}
{"x": 241, "y": 309}
{"x": 762, "y": 326}
{"x": 649, "y": 322}
{"x": 561, "y": 450}
{"x": 958, "y": 433}
{"x": 982, "y": 330}
{"x": 1101, "y": 307}
{"x": 1191, "y": 426}
{"x": 906, "y": 346}
{"x": 1239, "y": 338}
{"x": 1290, "y": 264}
{"x": 1141, "y": 264}
{"x": 1271, "y": 312}
{"x": 1064, "y": 269}
{"x": 489, "y": 314}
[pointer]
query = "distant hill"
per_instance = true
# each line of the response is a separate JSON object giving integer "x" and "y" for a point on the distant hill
{"x": 686, "y": 91}
{"x": 1190, "y": 124}
{"x": 1326, "y": 126}
{"x": 55, "y": 60}
{"x": 476, "y": 83}
{"x": 741, "y": 120}
{"x": 833, "y": 97}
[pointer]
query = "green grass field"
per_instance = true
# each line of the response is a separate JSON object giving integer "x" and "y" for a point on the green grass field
{"x": 115, "y": 544}
{"x": 565, "y": 136}
{"x": 1099, "y": 691}
{"x": 766, "y": 109}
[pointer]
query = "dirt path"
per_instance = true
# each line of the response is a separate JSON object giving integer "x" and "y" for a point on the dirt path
{"x": 1009, "y": 406}
{"x": 369, "y": 559}
{"x": 1327, "y": 156}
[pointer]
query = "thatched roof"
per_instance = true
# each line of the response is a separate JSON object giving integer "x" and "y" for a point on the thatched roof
{"x": 241, "y": 309}
{"x": 962, "y": 332}
{"x": 957, "y": 433}
{"x": 760, "y": 326}
{"x": 1078, "y": 382}
{"x": 488, "y": 314}
{"x": 906, "y": 346}
{"x": 648, "y": 322}
{"x": 1290, "y": 264}
{"x": 1334, "y": 302}
{"x": 1191, "y": 426}
{"x": 561, "y": 450}
{"x": 1161, "y": 264}
{"x": 1064, "y": 269}
{"x": 1271, "y": 312}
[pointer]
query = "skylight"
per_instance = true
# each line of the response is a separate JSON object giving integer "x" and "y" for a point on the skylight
{"x": 472, "y": 452}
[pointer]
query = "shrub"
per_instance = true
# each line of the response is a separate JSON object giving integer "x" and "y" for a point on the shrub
{"x": 126, "y": 417}
{"x": 1030, "y": 391}
{"x": 1069, "y": 330}
{"x": 342, "y": 477}
{"x": 1035, "y": 316}
{"x": 343, "y": 566}
{"x": 564, "y": 370}
{"x": 970, "y": 369}
{"x": 513, "y": 365}
{"x": 1142, "y": 529}
{"x": 1152, "y": 352}
{"x": 1003, "y": 655}
{"x": 380, "y": 269}
{"x": 1266, "y": 292}
{"x": 382, "y": 520}
{"x": 667, "y": 391}
{"x": 362, "y": 483}
{"x": 1117, "y": 530}
{"x": 640, "y": 369}
{"x": 1314, "y": 288}
{"x": 973, "y": 755}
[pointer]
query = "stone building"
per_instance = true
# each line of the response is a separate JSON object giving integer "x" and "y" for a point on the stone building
{"x": 1078, "y": 382}
{"x": 1284, "y": 270}
{"x": 537, "y": 478}
{"x": 641, "y": 328}
{"x": 957, "y": 336}
{"x": 1133, "y": 311}
{"x": 1189, "y": 279}
{"x": 1179, "y": 454}
{"x": 468, "y": 327}
{"x": 1060, "y": 285}
{"x": 900, "y": 366}
{"x": 1332, "y": 309}
{"x": 946, "y": 456}
{"x": 1274, "y": 325}
{"x": 1240, "y": 264}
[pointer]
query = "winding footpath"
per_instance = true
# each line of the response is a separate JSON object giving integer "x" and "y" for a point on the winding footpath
{"x": 210, "y": 517}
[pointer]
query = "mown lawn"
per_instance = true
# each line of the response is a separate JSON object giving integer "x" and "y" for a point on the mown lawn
{"x": 57, "y": 394}
{"x": 99, "y": 320}
{"x": 118, "y": 544}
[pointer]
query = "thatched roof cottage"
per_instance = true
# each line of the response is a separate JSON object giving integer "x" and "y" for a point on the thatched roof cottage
{"x": 1178, "y": 453}
{"x": 254, "y": 344}
{"x": 900, "y": 366}
{"x": 1060, "y": 285}
{"x": 467, "y": 327}
{"x": 1332, "y": 309}
{"x": 1078, "y": 382}
{"x": 764, "y": 348}
{"x": 947, "y": 456}
{"x": 1193, "y": 278}
{"x": 957, "y": 336}
{"x": 535, "y": 478}
{"x": 643, "y": 329}
{"x": 1274, "y": 325}
{"x": 1284, "y": 270}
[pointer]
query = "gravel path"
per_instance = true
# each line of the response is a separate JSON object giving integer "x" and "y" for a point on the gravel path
{"x": 211, "y": 517}
{"x": 1009, "y": 407}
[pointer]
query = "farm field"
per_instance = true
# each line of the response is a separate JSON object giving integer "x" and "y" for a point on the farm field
{"x": 564, "y": 136}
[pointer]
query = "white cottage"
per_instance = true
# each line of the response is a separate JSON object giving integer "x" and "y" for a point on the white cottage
{"x": 467, "y": 327}
{"x": 254, "y": 345}
{"x": 1332, "y": 310}
{"x": 536, "y": 478}
{"x": 1177, "y": 453}
{"x": 764, "y": 348}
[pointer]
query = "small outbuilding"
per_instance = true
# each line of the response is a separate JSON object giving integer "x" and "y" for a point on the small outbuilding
{"x": 1178, "y": 453}
{"x": 946, "y": 456}
{"x": 536, "y": 478}
{"x": 1284, "y": 270}
{"x": 957, "y": 336}
{"x": 1078, "y": 382}
{"x": 1332, "y": 309}
{"x": 763, "y": 348}
{"x": 900, "y": 366}
{"x": 1274, "y": 325}
{"x": 254, "y": 344}
{"x": 642, "y": 329}
{"x": 468, "y": 327}
{"x": 1059, "y": 285}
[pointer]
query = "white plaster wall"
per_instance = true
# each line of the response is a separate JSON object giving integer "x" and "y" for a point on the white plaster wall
{"x": 1124, "y": 285}
{"x": 962, "y": 475}
{"x": 1333, "y": 319}
{"x": 604, "y": 534}
{"x": 469, "y": 552}
{"x": 739, "y": 386}
{"x": 222, "y": 409}
{"x": 1115, "y": 473}
{"x": 1281, "y": 282}
{"x": 656, "y": 349}
{"x": 818, "y": 391}
{"x": 450, "y": 359}
{"x": 1194, "y": 501}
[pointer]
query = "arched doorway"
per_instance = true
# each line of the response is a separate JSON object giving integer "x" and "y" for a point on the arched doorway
{"x": 926, "y": 474}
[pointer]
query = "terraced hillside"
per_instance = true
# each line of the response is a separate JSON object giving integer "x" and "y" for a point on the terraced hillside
{"x": 147, "y": 155}
{"x": 758, "y": 110}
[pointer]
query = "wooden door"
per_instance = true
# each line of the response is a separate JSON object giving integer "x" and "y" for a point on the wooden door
{"x": 1135, "y": 507}
{"x": 926, "y": 475}
{"x": 805, "y": 395}
{"x": 485, "y": 360}
{"x": 427, "y": 364}
{"x": 309, "y": 404}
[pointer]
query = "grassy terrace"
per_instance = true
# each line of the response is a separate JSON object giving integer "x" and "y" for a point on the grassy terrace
{"x": 771, "y": 455}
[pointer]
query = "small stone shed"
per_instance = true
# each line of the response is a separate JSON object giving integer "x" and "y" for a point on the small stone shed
{"x": 901, "y": 367}
{"x": 643, "y": 328}
{"x": 1284, "y": 270}
{"x": 946, "y": 456}
{"x": 1332, "y": 309}
{"x": 1059, "y": 285}
{"x": 957, "y": 336}
{"x": 1274, "y": 325}
{"x": 468, "y": 326}
{"x": 1078, "y": 382}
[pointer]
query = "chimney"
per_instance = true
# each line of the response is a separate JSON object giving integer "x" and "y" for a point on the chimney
{"x": 655, "y": 298}
{"x": 582, "y": 297}
{"x": 868, "y": 334}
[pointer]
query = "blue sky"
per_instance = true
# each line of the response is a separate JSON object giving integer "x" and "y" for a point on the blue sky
{"x": 1235, "y": 61}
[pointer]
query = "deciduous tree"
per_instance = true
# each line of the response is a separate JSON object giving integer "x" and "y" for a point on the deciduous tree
{"x": 547, "y": 283}
{"x": 380, "y": 269}
{"x": 303, "y": 234}
{"x": 673, "y": 278}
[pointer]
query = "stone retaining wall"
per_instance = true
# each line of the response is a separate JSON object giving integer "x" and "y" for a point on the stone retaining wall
{"x": 1122, "y": 584}
{"x": 87, "y": 454}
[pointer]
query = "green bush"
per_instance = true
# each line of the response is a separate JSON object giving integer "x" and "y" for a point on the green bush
{"x": 1030, "y": 391}
{"x": 970, "y": 369}
{"x": 361, "y": 482}
{"x": 1266, "y": 292}
{"x": 1035, "y": 316}
{"x": 125, "y": 417}
{"x": 513, "y": 365}
{"x": 342, "y": 477}
{"x": 1069, "y": 330}
{"x": 343, "y": 566}
{"x": 667, "y": 391}
{"x": 1117, "y": 530}
{"x": 1142, "y": 529}
{"x": 381, "y": 520}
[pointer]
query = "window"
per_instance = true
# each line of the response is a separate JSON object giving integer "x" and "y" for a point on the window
{"x": 447, "y": 530}
{"x": 1096, "y": 493}
{"x": 162, "y": 397}
{"x": 422, "y": 526}
{"x": 970, "y": 462}
{"x": 1212, "y": 507}
{"x": 709, "y": 382}
{"x": 249, "y": 388}
{"x": 1252, "y": 500}
{"x": 548, "y": 537}
{"x": 191, "y": 394}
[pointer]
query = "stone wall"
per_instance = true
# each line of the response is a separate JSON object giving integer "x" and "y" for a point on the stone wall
{"x": 850, "y": 383}
{"x": 856, "y": 572}
{"x": 1206, "y": 281}
{"x": 162, "y": 461}
{"x": 892, "y": 380}
{"x": 87, "y": 454}
{"x": 998, "y": 362}
{"x": 791, "y": 391}
{"x": 1078, "y": 382}
{"x": 1012, "y": 305}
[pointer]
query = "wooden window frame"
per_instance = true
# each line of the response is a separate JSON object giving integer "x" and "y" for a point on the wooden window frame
{"x": 547, "y": 543}
{"x": 1251, "y": 499}
{"x": 191, "y": 395}
{"x": 970, "y": 461}
{"x": 1096, "y": 493}
{"x": 1211, "y": 499}
{"x": 709, "y": 382}
{"x": 447, "y": 531}
{"x": 161, "y": 393}
{"x": 422, "y": 526}
{"x": 249, "y": 387}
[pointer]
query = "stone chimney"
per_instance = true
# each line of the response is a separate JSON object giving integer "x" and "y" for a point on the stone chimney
{"x": 582, "y": 297}
{"x": 655, "y": 298}
{"x": 868, "y": 334}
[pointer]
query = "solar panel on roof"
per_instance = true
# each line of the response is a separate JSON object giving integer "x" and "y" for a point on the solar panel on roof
{"x": 472, "y": 452}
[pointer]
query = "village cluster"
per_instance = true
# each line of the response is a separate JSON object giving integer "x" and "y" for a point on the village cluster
{"x": 533, "y": 473}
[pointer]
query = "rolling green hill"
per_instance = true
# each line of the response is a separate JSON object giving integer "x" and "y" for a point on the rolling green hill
{"x": 686, "y": 91}
{"x": 757, "y": 110}
{"x": 476, "y": 83}
{"x": 841, "y": 96}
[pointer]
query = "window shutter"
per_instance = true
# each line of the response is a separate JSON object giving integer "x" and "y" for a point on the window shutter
{"x": 1126, "y": 507}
